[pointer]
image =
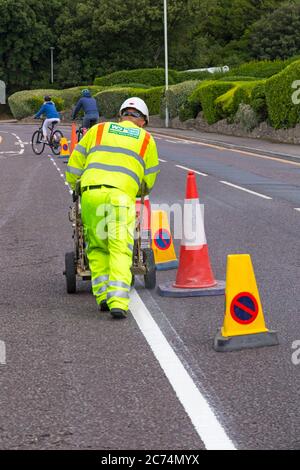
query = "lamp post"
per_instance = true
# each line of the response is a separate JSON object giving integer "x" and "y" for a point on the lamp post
{"x": 51, "y": 52}
{"x": 166, "y": 61}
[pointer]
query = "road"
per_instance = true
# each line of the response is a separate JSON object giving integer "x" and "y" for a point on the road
{"x": 74, "y": 378}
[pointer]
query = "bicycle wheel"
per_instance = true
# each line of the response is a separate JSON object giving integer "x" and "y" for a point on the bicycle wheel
{"x": 36, "y": 142}
{"x": 55, "y": 142}
{"x": 79, "y": 134}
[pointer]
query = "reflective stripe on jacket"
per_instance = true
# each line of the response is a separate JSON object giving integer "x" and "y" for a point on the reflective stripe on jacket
{"x": 119, "y": 155}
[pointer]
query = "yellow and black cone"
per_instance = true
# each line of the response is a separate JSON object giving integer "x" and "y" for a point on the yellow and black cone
{"x": 244, "y": 324}
{"x": 162, "y": 242}
{"x": 64, "y": 148}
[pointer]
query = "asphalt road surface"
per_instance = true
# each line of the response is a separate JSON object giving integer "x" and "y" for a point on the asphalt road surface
{"x": 74, "y": 378}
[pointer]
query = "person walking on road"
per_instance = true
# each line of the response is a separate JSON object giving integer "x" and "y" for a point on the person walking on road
{"x": 112, "y": 161}
{"x": 49, "y": 110}
{"x": 90, "y": 108}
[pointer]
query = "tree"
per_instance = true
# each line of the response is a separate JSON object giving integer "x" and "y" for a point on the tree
{"x": 276, "y": 35}
{"x": 25, "y": 38}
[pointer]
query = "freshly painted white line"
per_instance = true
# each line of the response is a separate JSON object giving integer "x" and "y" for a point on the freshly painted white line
{"x": 297, "y": 209}
{"x": 246, "y": 190}
{"x": 190, "y": 169}
{"x": 162, "y": 160}
{"x": 197, "y": 408}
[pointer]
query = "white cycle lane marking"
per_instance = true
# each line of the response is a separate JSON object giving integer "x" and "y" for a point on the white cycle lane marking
{"x": 245, "y": 189}
{"x": 190, "y": 169}
{"x": 19, "y": 142}
{"x": 195, "y": 405}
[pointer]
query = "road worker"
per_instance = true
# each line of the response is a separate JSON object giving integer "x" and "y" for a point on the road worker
{"x": 112, "y": 161}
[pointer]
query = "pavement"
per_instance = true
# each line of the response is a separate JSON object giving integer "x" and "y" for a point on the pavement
{"x": 74, "y": 378}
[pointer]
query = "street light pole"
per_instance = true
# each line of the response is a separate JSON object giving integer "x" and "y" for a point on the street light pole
{"x": 51, "y": 51}
{"x": 166, "y": 61}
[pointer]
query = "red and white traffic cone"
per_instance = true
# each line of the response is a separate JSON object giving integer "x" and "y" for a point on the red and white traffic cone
{"x": 194, "y": 265}
{"x": 194, "y": 276}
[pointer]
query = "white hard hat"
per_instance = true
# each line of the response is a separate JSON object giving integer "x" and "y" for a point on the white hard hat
{"x": 138, "y": 104}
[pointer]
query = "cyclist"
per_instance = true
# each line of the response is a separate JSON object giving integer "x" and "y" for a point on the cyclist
{"x": 48, "y": 108}
{"x": 90, "y": 108}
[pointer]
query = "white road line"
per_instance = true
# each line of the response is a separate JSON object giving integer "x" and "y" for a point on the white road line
{"x": 297, "y": 209}
{"x": 9, "y": 152}
{"x": 20, "y": 142}
{"x": 190, "y": 169}
{"x": 162, "y": 160}
{"x": 197, "y": 408}
{"x": 246, "y": 190}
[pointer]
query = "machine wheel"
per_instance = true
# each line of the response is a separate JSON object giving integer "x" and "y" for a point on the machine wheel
{"x": 70, "y": 272}
{"x": 150, "y": 277}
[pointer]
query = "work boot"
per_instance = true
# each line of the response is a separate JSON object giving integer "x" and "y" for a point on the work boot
{"x": 118, "y": 313}
{"x": 103, "y": 307}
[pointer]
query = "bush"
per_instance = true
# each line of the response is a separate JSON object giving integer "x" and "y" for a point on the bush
{"x": 151, "y": 77}
{"x": 240, "y": 78}
{"x": 204, "y": 96}
{"x": 282, "y": 99}
{"x": 186, "y": 76}
{"x": 26, "y": 103}
{"x": 246, "y": 117}
{"x": 129, "y": 85}
{"x": 228, "y": 103}
{"x": 153, "y": 98}
{"x": 177, "y": 96}
{"x": 261, "y": 68}
{"x": 110, "y": 100}
{"x": 258, "y": 101}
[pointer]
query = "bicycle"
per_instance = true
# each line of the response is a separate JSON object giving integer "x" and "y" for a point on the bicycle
{"x": 82, "y": 130}
{"x": 53, "y": 140}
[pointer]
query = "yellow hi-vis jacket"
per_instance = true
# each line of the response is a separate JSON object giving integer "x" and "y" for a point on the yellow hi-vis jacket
{"x": 120, "y": 155}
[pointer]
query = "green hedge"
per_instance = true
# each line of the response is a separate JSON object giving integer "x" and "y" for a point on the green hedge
{"x": 186, "y": 76}
{"x": 237, "y": 78}
{"x": 262, "y": 68}
{"x": 110, "y": 100}
{"x": 151, "y": 77}
{"x": 258, "y": 101}
{"x": 204, "y": 98}
{"x": 228, "y": 103}
{"x": 177, "y": 97}
{"x": 26, "y": 103}
{"x": 282, "y": 112}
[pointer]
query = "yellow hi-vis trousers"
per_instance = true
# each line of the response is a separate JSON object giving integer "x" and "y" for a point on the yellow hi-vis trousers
{"x": 108, "y": 217}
